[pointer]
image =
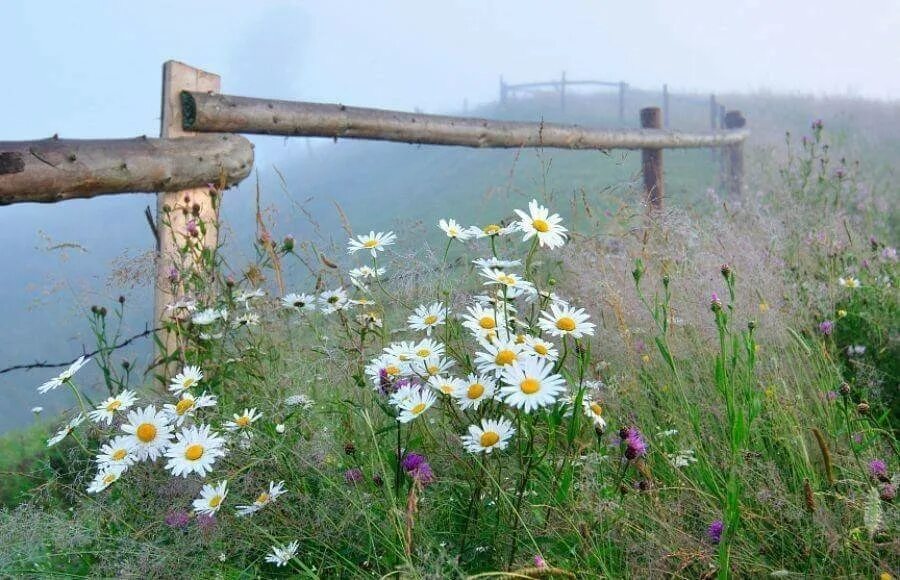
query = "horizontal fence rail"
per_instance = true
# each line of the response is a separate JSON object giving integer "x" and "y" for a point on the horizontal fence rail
{"x": 206, "y": 112}
{"x": 56, "y": 169}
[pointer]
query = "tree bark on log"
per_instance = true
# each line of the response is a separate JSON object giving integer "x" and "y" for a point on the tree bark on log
{"x": 52, "y": 170}
{"x": 208, "y": 112}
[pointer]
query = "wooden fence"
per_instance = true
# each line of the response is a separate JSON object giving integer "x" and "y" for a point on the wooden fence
{"x": 184, "y": 161}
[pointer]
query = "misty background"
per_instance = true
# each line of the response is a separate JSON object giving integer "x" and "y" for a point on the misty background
{"x": 92, "y": 69}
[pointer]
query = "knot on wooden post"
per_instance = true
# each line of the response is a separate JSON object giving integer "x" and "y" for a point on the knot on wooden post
{"x": 651, "y": 161}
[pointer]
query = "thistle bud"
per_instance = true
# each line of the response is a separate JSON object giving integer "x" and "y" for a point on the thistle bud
{"x": 726, "y": 271}
{"x": 863, "y": 408}
{"x": 101, "y": 311}
{"x": 349, "y": 448}
{"x": 195, "y": 209}
{"x": 715, "y": 304}
{"x": 751, "y": 325}
{"x": 126, "y": 365}
{"x": 888, "y": 492}
{"x": 229, "y": 281}
{"x": 844, "y": 389}
{"x": 287, "y": 245}
{"x": 167, "y": 208}
{"x": 121, "y": 299}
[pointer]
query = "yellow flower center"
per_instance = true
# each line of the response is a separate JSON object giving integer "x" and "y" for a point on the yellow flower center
{"x": 113, "y": 405}
{"x": 243, "y": 420}
{"x": 565, "y": 324}
{"x": 541, "y": 349}
{"x": 430, "y": 319}
{"x": 492, "y": 230}
{"x": 184, "y": 405}
{"x": 446, "y": 389}
{"x": 119, "y": 454}
{"x": 506, "y": 279}
{"x": 146, "y": 432}
{"x": 489, "y": 438}
{"x": 188, "y": 382}
{"x": 487, "y": 323}
{"x": 417, "y": 409}
{"x": 392, "y": 370}
{"x": 540, "y": 225}
{"x": 370, "y": 244}
{"x": 530, "y": 386}
{"x": 215, "y": 501}
{"x": 109, "y": 478}
{"x": 423, "y": 352}
{"x": 263, "y": 498}
{"x": 193, "y": 452}
{"x": 505, "y": 357}
{"x": 475, "y": 391}
{"x": 432, "y": 370}
{"x": 520, "y": 339}
{"x": 596, "y": 409}
{"x": 452, "y": 232}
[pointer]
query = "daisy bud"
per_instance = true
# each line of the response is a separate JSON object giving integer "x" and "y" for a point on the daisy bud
{"x": 751, "y": 325}
{"x": 551, "y": 282}
{"x": 287, "y": 245}
{"x": 665, "y": 280}
{"x": 863, "y": 408}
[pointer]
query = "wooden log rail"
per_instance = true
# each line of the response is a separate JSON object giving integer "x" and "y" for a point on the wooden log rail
{"x": 56, "y": 169}
{"x": 208, "y": 112}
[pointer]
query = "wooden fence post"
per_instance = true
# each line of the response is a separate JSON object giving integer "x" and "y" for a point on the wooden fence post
{"x": 562, "y": 93}
{"x": 666, "y": 106}
{"x": 651, "y": 162}
{"x": 176, "y": 211}
{"x": 502, "y": 92}
{"x": 735, "y": 155}
{"x": 623, "y": 86}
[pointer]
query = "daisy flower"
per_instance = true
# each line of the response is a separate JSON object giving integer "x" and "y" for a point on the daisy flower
{"x": 538, "y": 222}
{"x": 117, "y": 452}
{"x": 404, "y": 394}
{"x": 208, "y": 316}
{"x": 243, "y": 420}
{"x": 263, "y": 499}
{"x": 474, "y": 390}
{"x": 546, "y": 297}
{"x": 483, "y": 321}
{"x": 106, "y": 410}
{"x": 333, "y": 300}
{"x": 64, "y": 432}
{"x": 492, "y": 230}
{"x": 496, "y": 263}
{"x": 373, "y": 242}
{"x": 246, "y": 319}
{"x": 432, "y": 366}
{"x": 186, "y": 406}
{"x": 149, "y": 432}
{"x": 281, "y": 555}
{"x": 64, "y": 376}
{"x": 540, "y": 348}
{"x": 246, "y": 296}
{"x": 427, "y": 318}
{"x": 501, "y": 354}
{"x": 194, "y": 451}
{"x": 531, "y": 384}
{"x": 211, "y": 498}
{"x": 105, "y": 477}
{"x": 454, "y": 230}
{"x": 492, "y": 434}
{"x": 849, "y": 282}
{"x": 445, "y": 385}
{"x": 403, "y": 352}
{"x": 364, "y": 272}
{"x": 299, "y": 301}
{"x": 514, "y": 284}
{"x": 417, "y": 403}
{"x": 566, "y": 321}
{"x": 427, "y": 348}
{"x": 385, "y": 367}
{"x": 187, "y": 378}
{"x": 594, "y": 411}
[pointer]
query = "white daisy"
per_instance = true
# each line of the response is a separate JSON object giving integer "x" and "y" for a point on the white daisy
{"x": 372, "y": 242}
{"x": 64, "y": 432}
{"x": 333, "y": 300}
{"x": 540, "y": 348}
{"x": 545, "y": 297}
{"x": 566, "y": 321}
{"x": 208, "y": 316}
{"x": 106, "y": 410}
{"x": 427, "y": 318}
{"x": 263, "y": 499}
{"x": 64, "y": 376}
{"x": 445, "y": 385}
{"x": 499, "y": 355}
{"x": 105, "y": 477}
{"x": 427, "y": 348}
{"x": 496, "y": 263}
{"x": 483, "y": 321}
{"x": 189, "y": 377}
{"x": 364, "y": 272}
{"x": 246, "y": 319}
{"x": 538, "y": 222}
{"x": 195, "y": 450}
{"x": 514, "y": 284}
{"x": 243, "y": 420}
{"x": 531, "y": 384}
{"x": 116, "y": 452}
{"x": 186, "y": 406}
{"x": 299, "y": 301}
{"x": 417, "y": 403}
{"x": 211, "y": 498}
{"x": 849, "y": 282}
{"x": 386, "y": 366}
{"x": 403, "y": 352}
{"x": 594, "y": 411}
{"x": 474, "y": 390}
{"x": 37, "y": 410}
{"x": 150, "y": 432}
{"x": 432, "y": 366}
{"x": 281, "y": 555}
{"x": 246, "y": 296}
{"x": 454, "y": 230}
{"x": 185, "y": 303}
{"x": 492, "y": 230}
{"x": 404, "y": 395}
{"x": 492, "y": 434}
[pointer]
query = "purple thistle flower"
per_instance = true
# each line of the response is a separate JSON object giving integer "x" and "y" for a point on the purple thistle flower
{"x": 888, "y": 492}
{"x": 539, "y": 562}
{"x": 173, "y": 275}
{"x": 831, "y": 395}
{"x": 353, "y": 476}
{"x": 207, "y": 522}
{"x": 412, "y": 461}
{"x": 418, "y": 468}
{"x": 878, "y": 468}
{"x": 192, "y": 228}
{"x": 635, "y": 446}
{"x": 714, "y": 531}
{"x": 178, "y": 520}
{"x": 826, "y": 327}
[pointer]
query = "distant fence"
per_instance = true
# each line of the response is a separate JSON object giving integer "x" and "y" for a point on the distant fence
{"x": 183, "y": 163}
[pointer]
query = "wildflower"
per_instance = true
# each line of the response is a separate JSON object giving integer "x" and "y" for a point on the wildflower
{"x": 187, "y": 378}
{"x": 279, "y": 428}
{"x": 427, "y": 318}
{"x": 473, "y": 391}
{"x": 117, "y": 452}
{"x": 246, "y": 296}
{"x": 418, "y": 468}
{"x": 353, "y": 476}
{"x": 178, "y": 520}
{"x": 566, "y": 321}
{"x": 539, "y": 562}
{"x": 208, "y": 316}
{"x": 299, "y": 301}
{"x": 64, "y": 432}
{"x": 483, "y": 322}
{"x": 333, "y": 301}
{"x": 714, "y": 303}
{"x": 499, "y": 355}
{"x": 211, "y": 498}
{"x": 492, "y": 434}
{"x": 849, "y": 282}
{"x": 889, "y": 254}
{"x": 683, "y": 458}
{"x": 763, "y": 307}
{"x": 432, "y": 366}
{"x": 635, "y": 446}
{"x": 243, "y": 420}
{"x": 540, "y": 348}
{"x": 856, "y": 350}
{"x": 714, "y": 531}
{"x": 281, "y": 555}
{"x": 37, "y": 410}
{"x": 445, "y": 385}
{"x": 546, "y": 297}
{"x": 531, "y": 385}
{"x": 538, "y": 222}
{"x": 106, "y": 410}
{"x": 263, "y": 499}
{"x": 878, "y": 469}
{"x": 513, "y": 284}
{"x": 246, "y": 319}
{"x": 888, "y": 492}
{"x": 418, "y": 402}
{"x": 299, "y": 400}
{"x": 372, "y": 242}
{"x": 594, "y": 411}
{"x": 150, "y": 432}
{"x": 826, "y": 327}
{"x": 186, "y": 406}
{"x": 492, "y": 230}
{"x": 206, "y": 522}
{"x": 105, "y": 477}
{"x": 841, "y": 313}
{"x": 64, "y": 376}
{"x": 496, "y": 263}
{"x": 454, "y": 230}
{"x": 195, "y": 450}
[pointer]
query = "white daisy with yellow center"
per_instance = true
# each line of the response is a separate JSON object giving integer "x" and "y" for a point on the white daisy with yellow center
{"x": 190, "y": 376}
{"x": 531, "y": 384}
{"x": 427, "y": 318}
{"x": 243, "y": 420}
{"x": 454, "y": 230}
{"x": 566, "y": 321}
{"x": 150, "y": 432}
{"x": 187, "y": 406}
{"x": 116, "y": 452}
{"x": 499, "y": 355}
{"x": 373, "y": 242}
{"x": 490, "y": 435}
{"x": 540, "y": 348}
{"x": 281, "y": 555}
{"x": 195, "y": 450}
{"x": 403, "y": 395}
{"x": 497, "y": 263}
{"x": 538, "y": 222}
{"x": 211, "y": 498}
{"x": 387, "y": 366}
{"x": 415, "y": 404}
{"x": 66, "y": 430}
{"x": 445, "y": 385}
{"x": 492, "y": 230}
{"x": 849, "y": 282}
{"x": 427, "y": 348}
{"x": 474, "y": 390}
{"x": 106, "y": 411}
{"x": 513, "y": 284}
{"x": 266, "y": 497}
{"x": 594, "y": 411}
{"x": 484, "y": 321}
{"x": 105, "y": 477}
{"x": 432, "y": 366}
{"x": 209, "y": 316}
{"x": 64, "y": 376}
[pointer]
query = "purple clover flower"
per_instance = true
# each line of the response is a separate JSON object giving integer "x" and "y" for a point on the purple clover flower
{"x": 714, "y": 531}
